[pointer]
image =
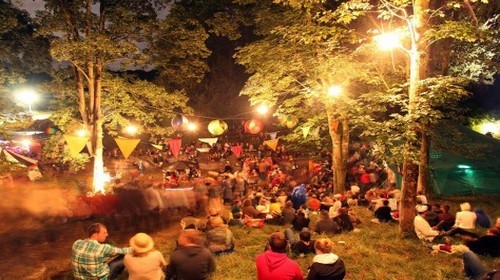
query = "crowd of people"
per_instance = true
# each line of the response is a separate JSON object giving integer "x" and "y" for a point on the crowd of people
{"x": 258, "y": 193}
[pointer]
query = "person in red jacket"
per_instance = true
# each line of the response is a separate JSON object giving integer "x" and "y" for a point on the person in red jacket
{"x": 274, "y": 263}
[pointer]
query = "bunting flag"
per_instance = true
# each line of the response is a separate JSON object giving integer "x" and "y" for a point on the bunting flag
{"x": 315, "y": 132}
{"x": 209, "y": 141}
{"x": 272, "y": 144}
{"x": 127, "y": 146}
{"x": 305, "y": 131}
{"x": 237, "y": 150}
{"x": 175, "y": 146}
{"x": 75, "y": 144}
{"x": 272, "y": 135}
{"x": 203, "y": 150}
{"x": 158, "y": 147}
{"x": 8, "y": 156}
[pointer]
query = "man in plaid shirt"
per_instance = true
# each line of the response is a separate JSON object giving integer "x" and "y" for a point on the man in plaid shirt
{"x": 89, "y": 257}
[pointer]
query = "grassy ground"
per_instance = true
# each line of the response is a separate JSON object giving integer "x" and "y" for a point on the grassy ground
{"x": 375, "y": 252}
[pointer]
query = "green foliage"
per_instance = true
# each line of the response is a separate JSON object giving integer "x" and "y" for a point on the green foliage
{"x": 54, "y": 151}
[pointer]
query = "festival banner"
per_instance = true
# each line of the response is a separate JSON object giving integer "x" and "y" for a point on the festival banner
{"x": 272, "y": 144}
{"x": 127, "y": 146}
{"x": 75, "y": 144}
{"x": 273, "y": 135}
{"x": 209, "y": 141}
{"x": 203, "y": 150}
{"x": 237, "y": 150}
{"x": 305, "y": 131}
{"x": 158, "y": 147}
{"x": 175, "y": 146}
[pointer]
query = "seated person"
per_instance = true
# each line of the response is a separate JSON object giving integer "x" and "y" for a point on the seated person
{"x": 446, "y": 220}
{"x": 250, "y": 211}
{"x": 288, "y": 212}
{"x": 326, "y": 225}
{"x": 482, "y": 219}
{"x": 488, "y": 245}
{"x": 300, "y": 221}
{"x": 313, "y": 203}
{"x": 422, "y": 227}
{"x": 344, "y": 220}
{"x": 465, "y": 219}
{"x": 475, "y": 269}
{"x": 274, "y": 264}
{"x": 220, "y": 239}
{"x": 303, "y": 246}
{"x": 326, "y": 265}
{"x": 274, "y": 207}
{"x": 383, "y": 213}
{"x": 145, "y": 262}
{"x": 236, "y": 220}
{"x": 190, "y": 260}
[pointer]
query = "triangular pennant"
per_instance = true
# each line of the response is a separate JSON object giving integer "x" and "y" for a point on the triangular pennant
{"x": 127, "y": 146}
{"x": 22, "y": 159}
{"x": 175, "y": 146}
{"x": 272, "y": 144}
{"x": 237, "y": 150}
{"x": 75, "y": 144}
{"x": 273, "y": 135}
{"x": 305, "y": 131}
{"x": 315, "y": 132}
{"x": 158, "y": 147}
{"x": 9, "y": 157}
{"x": 209, "y": 141}
{"x": 203, "y": 150}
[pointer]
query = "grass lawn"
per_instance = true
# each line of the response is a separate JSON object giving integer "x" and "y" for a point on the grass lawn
{"x": 376, "y": 252}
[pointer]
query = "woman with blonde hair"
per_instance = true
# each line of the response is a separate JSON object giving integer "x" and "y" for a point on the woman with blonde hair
{"x": 144, "y": 262}
{"x": 326, "y": 265}
{"x": 465, "y": 219}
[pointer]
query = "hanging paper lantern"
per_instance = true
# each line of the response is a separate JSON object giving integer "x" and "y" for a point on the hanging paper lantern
{"x": 289, "y": 121}
{"x": 253, "y": 126}
{"x": 50, "y": 130}
{"x": 217, "y": 127}
{"x": 179, "y": 121}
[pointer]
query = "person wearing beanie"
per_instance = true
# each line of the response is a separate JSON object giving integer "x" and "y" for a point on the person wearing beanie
{"x": 144, "y": 262}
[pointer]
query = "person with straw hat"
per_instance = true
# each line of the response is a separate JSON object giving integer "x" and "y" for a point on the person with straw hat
{"x": 144, "y": 262}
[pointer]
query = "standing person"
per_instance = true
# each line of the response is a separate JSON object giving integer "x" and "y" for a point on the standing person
{"x": 326, "y": 265}
{"x": 89, "y": 256}
{"x": 274, "y": 263}
{"x": 144, "y": 263}
{"x": 190, "y": 260}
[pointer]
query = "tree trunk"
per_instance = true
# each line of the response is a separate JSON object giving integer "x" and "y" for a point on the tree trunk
{"x": 423, "y": 169}
{"x": 410, "y": 168}
{"x": 338, "y": 157}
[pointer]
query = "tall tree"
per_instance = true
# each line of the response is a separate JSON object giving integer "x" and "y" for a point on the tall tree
{"x": 91, "y": 36}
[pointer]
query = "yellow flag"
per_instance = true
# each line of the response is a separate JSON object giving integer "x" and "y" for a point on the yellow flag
{"x": 272, "y": 144}
{"x": 305, "y": 131}
{"x": 75, "y": 144}
{"x": 158, "y": 147}
{"x": 127, "y": 146}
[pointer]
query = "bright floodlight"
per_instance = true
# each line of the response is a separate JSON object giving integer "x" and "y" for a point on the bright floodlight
{"x": 388, "y": 41}
{"x": 26, "y": 143}
{"x": 335, "y": 91}
{"x": 27, "y": 96}
{"x": 192, "y": 127}
{"x": 131, "y": 129}
{"x": 81, "y": 133}
{"x": 263, "y": 109}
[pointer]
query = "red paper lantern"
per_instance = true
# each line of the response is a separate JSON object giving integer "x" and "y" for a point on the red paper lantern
{"x": 253, "y": 126}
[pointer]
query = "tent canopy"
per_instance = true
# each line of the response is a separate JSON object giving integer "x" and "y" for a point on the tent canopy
{"x": 467, "y": 164}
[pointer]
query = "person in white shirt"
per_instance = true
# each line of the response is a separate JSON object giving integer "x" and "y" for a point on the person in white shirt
{"x": 422, "y": 227}
{"x": 465, "y": 219}
{"x": 144, "y": 262}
